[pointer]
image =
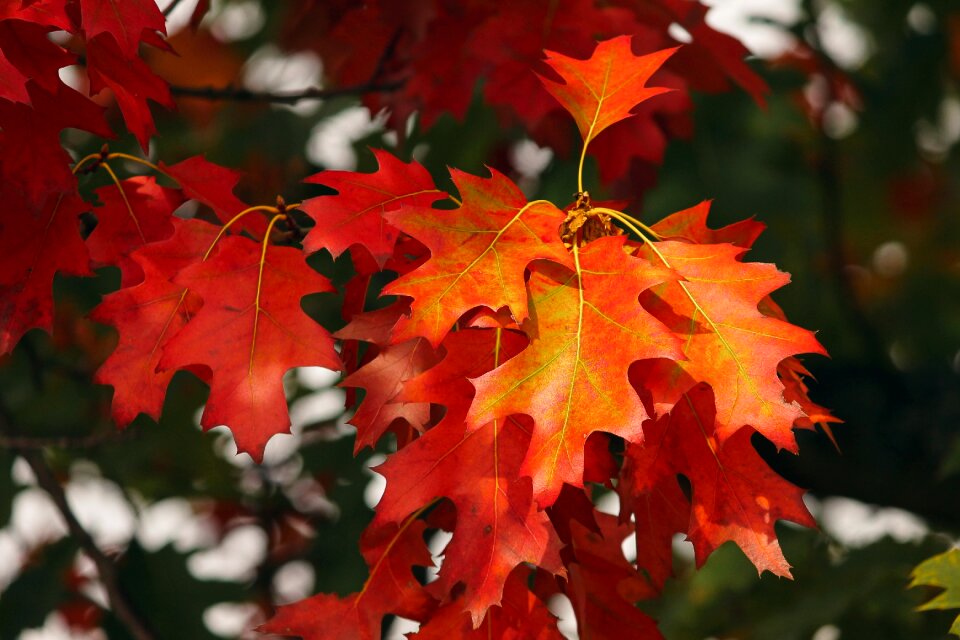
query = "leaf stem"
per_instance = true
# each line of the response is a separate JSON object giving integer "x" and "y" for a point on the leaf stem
{"x": 84, "y": 160}
{"x": 260, "y": 207}
{"x": 141, "y": 161}
{"x": 626, "y": 218}
{"x": 126, "y": 201}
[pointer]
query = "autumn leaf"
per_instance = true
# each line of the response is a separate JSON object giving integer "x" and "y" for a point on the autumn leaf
{"x": 727, "y": 342}
{"x": 354, "y": 216}
{"x": 390, "y": 588}
{"x": 132, "y": 83}
{"x": 213, "y": 185}
{"x": 736, "y": 496}
{"x": 941, "y": 571}
{"x": 146, "y": 317}
{"x": 498, "y": 524}
{"x": 131, "y": 214}
{"x": 604, "y": 587}
{"x": 33, "y": 249}
{"x": 603, "y": 89}
{"x": 521, "y": 614}
{"x": 478, "y": 254}
{"x": 124, "y": 20}
{"x": 249, "y": 332}
{"x": 383, "y": 378}
{"x": 568, "y": 380}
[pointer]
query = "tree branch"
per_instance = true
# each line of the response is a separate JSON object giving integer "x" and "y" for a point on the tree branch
{"x": 239, "y": 94}
{"x": 106, "y": 569}
{"x": 60, "y": 442}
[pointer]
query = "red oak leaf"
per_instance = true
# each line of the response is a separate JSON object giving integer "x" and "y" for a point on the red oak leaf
{"x": 478, "y": 254}
{"x": 390, "y": 588}
{"x": 604, "y": 587}
{"x": 137, "y": 212}
{"x": 383, "y": 377}
{"x": 124, "y": 20}
{"x": 32, "y": 56}
{"x": 213, "y": 185}
{"x": 520, "y": 616}
{"x": 47, "y": 12}
{"x": 736, "y": 496}
{"x": 568, "y": 380}
{"x": 249, "y": 332}
{"x": 354, "y": 216}
{"x": 33, "y": 248}
{"x": 603, "y": 89}
{"x": 44, "y": 172}
{"x": 146, "y": 317}
{"x": 498, "y": 525}
{"x": 727, "y": 341}
{"x": 659, "y": 511}
{"x": 132, "y": 83}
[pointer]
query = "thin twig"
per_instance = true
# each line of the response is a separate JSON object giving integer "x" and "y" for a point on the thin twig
{"x": 60, "y": 442}
{"x": 170, "y": 8}
{"x": 239, "y": 94}
{"x": 106, "y": 569}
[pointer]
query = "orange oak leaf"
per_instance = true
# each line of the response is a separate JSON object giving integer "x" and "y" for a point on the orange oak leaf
{"x": 586, "y": 328}
{"x": 498, "y": 525}
{"x": 478, "y": 254}
{"x": 521, "y": 615}
{"x": 604, "y": 588}
{"x": 124, "y": 20}
{"x": 135, "y": 213}
{"x": 354, "y": 216}
{"x": 727, "y": 342}
{"x": 249, "y": 332}
{"x": 147, "y": 316}
{"x": 390, "y": 588}
{"x": 603, "y": 89}
{"x": 34, "y": 248}
{"x": 735, "y": 496}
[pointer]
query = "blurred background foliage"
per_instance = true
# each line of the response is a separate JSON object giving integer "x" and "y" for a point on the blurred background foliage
{"x": 853, "y": 167}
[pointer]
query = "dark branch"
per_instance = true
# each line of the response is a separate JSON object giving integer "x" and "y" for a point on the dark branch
{"x": 106, "y": 569}
{"x": 239, "y": 94}
{"x": 60, "y": 442}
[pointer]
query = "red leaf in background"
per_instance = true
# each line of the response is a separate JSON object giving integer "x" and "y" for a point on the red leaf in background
{"x": 28, "y": 49}
{"x": 132, "y": 83}
{"x": 249, "y": 332}
{"x": 568, "y": 380}
{"x": 33, "y": 249}
{"x": 520, "y": 616}
{"x": 736, "y": 496}
{"x": 124, "y": 20}
{"x": 213, "y": 185}
{"x": 146, "y": 317}
{"x": 354, "y": 216}
{"x": 47, "y": 12}
{"x": 603, "y": 89}
{"x": 604, "y": 587}
{"x": 390, "y": 588}
{"x": 139, "y": 214}
{"x": 478, "y": 254}
{"x": 44, "y": 172}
